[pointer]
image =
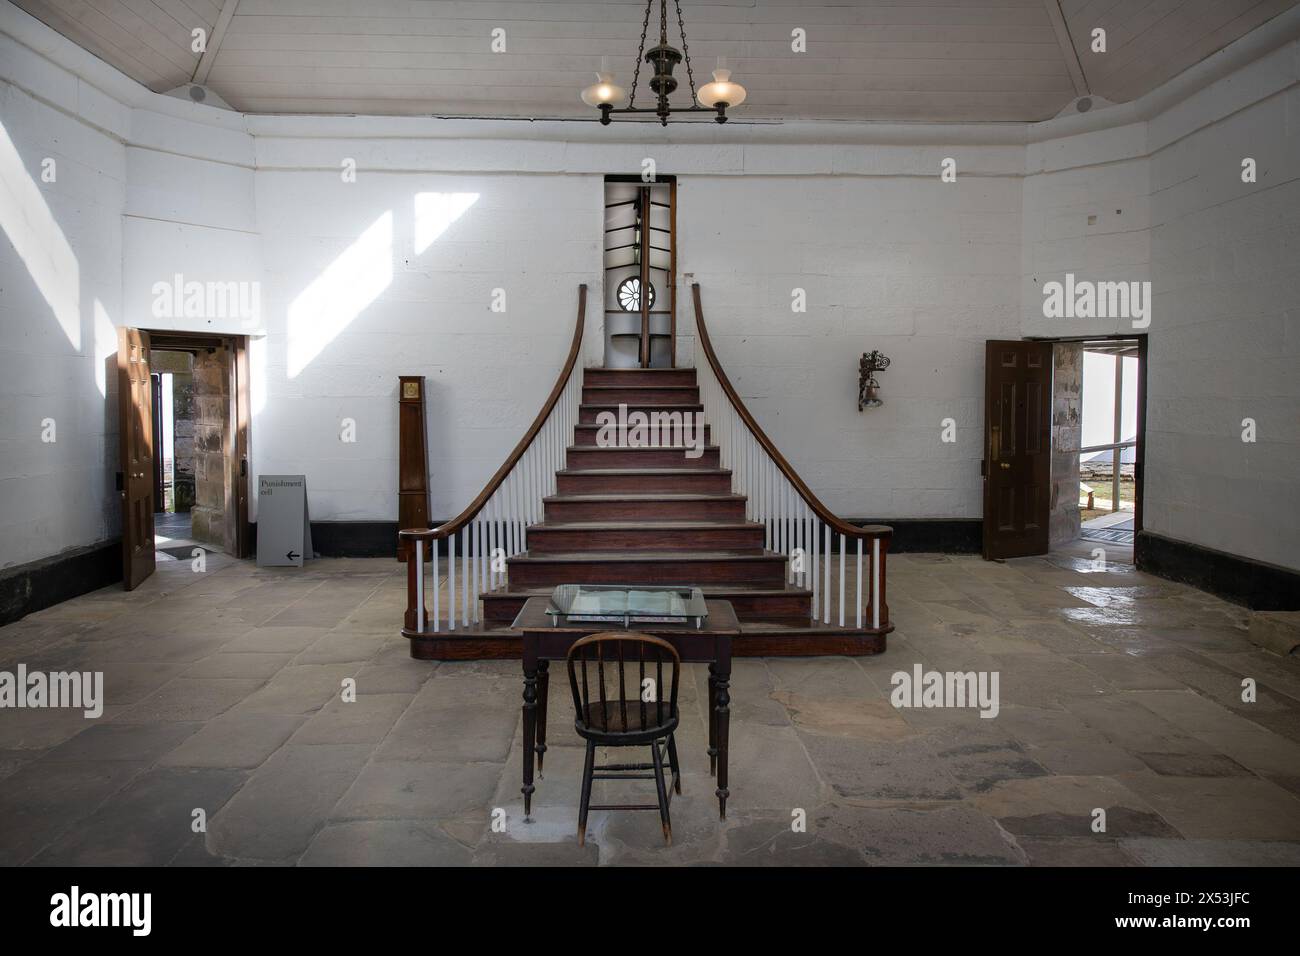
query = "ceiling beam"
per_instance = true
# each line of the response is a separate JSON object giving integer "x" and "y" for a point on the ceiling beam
{"x": 1071, "y": 55}
{"x": 214, "y": 42}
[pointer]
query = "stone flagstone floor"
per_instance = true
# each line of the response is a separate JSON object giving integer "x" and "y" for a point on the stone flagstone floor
{"x": 1119, "y": 691}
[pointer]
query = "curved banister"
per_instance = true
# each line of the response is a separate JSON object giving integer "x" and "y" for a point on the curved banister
{"x": 475, "y": 506}
{"x": 825, "y": 514}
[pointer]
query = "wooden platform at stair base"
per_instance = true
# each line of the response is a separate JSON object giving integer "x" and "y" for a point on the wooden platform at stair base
{"x": 477, "y": 643}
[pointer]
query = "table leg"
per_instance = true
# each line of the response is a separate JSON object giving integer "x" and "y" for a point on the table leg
{"x": 713, "y": 718}
{"x": 723, "y": 711}
{"x": 530, "y": 722}
{"x": 544, "y": 694}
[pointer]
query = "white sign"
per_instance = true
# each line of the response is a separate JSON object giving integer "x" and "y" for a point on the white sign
{"x": 283, "y": 525}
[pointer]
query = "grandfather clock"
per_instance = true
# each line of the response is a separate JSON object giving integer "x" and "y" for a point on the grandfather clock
{"x": 412, "y": 459}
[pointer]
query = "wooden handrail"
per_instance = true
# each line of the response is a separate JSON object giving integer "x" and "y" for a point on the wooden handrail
{"x": 836, "y": 523}
{"x": 465, "y": 517}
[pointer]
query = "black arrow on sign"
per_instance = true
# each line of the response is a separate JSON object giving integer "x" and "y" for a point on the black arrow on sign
{"x": 291, "y": 555}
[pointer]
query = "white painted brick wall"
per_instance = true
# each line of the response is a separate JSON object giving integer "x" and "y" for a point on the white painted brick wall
{"x": 890, "y": 257}
{"x": 54, "y": 496}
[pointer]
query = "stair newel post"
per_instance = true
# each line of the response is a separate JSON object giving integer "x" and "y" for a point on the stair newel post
{"x": 880, "y": 615}
{"x": 413, "y": 619}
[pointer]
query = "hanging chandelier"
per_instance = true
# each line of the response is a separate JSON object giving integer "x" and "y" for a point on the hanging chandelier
{"x": 715, "y": 97}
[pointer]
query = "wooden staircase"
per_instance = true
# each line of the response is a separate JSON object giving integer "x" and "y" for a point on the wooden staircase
{"x": 626, "y": 513}
{"x": 650, "y": 516}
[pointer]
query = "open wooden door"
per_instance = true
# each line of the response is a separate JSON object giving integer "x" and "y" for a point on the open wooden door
{"x": 136, "y": 479}
{"x": 1017, "y": 448}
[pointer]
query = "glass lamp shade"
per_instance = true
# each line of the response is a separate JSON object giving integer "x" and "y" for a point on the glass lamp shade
{"x": 604, "y": 92}
{"x": 721, "y": 90}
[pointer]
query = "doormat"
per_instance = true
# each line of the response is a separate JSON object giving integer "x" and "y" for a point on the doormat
{"x": 1105, "y": 534}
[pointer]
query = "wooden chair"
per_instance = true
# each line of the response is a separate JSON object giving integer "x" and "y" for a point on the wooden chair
{"x": 644, "y": 719}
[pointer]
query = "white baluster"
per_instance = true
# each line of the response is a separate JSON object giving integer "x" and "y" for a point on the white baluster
{"x": 814, "y": 529}
{"x": 842, "y": 550}
{"x": 858, "y": 592}
{"x": 437, "y": 584}
{"x": 799, "y": 533}
{"x": 481, "y": 534}
{"x": 826, "y": 571}
{"x": 778, "y": 510}
{"x": 419, "y": 586}
{"x": 451, "y": 582}
{"x": 471, "y": 600}
{"x": 465, "y": 564}
{"x": 511, "y": 513}
{"x": 489, "y": 529}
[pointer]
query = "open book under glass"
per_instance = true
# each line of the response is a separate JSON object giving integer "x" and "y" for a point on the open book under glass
{"x": 627, "y": 605}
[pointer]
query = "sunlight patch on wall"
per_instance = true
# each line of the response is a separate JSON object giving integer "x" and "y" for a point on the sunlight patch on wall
{"x": 105, "y": 346}
{"x": 434, "y": 212}
{"x": 40, "y": 243}
{"x": 346, "y": 288}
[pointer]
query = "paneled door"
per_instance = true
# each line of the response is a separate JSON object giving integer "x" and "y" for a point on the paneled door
{"x": 1017, "y": 448}
{"x": 135, "y": 422}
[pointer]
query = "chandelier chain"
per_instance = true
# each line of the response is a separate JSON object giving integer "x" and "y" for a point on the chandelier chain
{"x": 640, "y": 51}
{"x": 686, "y": 51}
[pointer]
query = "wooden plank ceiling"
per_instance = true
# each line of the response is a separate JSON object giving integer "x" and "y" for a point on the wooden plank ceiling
{"x": 918, "y": 60}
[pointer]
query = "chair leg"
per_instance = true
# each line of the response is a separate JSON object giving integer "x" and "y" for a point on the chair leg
{"x": 585, "y": 801}
{"x": 672, "y": 762}
{"x": 663, "y": 793}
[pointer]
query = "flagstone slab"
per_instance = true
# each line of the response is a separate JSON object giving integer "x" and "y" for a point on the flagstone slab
{"x": 384, "y": 843}
{"x": 148, "y": 822}
{"x": 236, "y": 741}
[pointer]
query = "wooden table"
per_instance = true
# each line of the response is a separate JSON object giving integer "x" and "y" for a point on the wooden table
{"x": 545, "y": 641}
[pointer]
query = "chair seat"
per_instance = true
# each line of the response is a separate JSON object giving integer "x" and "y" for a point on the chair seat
{"x": 600, "y": 722}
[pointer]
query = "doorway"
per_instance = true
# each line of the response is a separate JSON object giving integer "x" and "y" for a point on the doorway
{"x": 1063, "y": 444}
{"x": 184, "y": 407}
{"x": 1108, "y": 452}
{"x": 175, "y": 423}
{"x": 640, "y": 272}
